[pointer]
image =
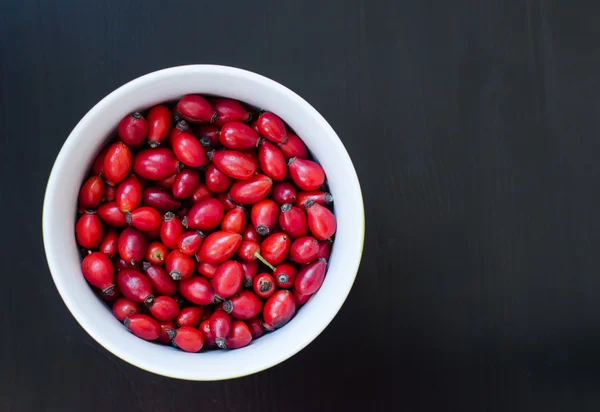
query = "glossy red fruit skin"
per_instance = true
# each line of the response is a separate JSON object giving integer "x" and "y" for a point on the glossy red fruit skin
{"x": 162, "y": 283}
{"x": 319, "y": 196}
{"x": 306, "y": 174}
{"x": 264, "y": 285}
{"x": 98, "y": 165}
{"x": 132, "y": 245}
{"x": 120, "y": 264}
{"x": 208, "y": 134}
{"x": 110, "y": 193}
{"x": 247, "y": 250}
{"x": 91, "y": 193}
{"x": 220, "y": 325}
{"x": 129, "y": 194}
{"x": 156, "y": 253}
{"x": 294, "y": 147}
{"x": 285, "y": 275}
{"x": 189, "y": 242}
{"x": 275, "y": 248}
{"x": 112, "y": 215}
{"x": 200, "y": 193}
{"x": 124, "y": 307}
{"x": 272, "y": 127}
{"x": 108, "y": 246}
{"x": 245, "y": 305}
{"x": 279, "y": 309}
{"x": 159, "y": 125}
{"x": 250, "y": 272}
{"x": 166, "y": 183}
{"x": 248, "y": 192}
{"x": 160, "y": 199}
{"x": 228, "y": 279}
{"x": 133, "y": 129}
{"x": 207, "y": 270}
{"x": 234, "y": 164}
{"x": 324, "y": 249}
{"x": 165, "y": 327}
{"x": 143, "y": 326}
{"x": 196, "y": 109}
{"x": 170, "y": 230}
{"x": 234, "y": 221}
{"x": 209, "y": 339}
{"x": 264, "y": 216}
{"x": 284, "y": 192}
{"x": 219, "y": 247}
{"x": 321, "y": 221}
{"x": 271, "y": 160}
{"x": 185, "y": 183}
{"x": 227, "y": 203}
{"x": 205, "y": 215}
{"x": 238, "y": 136}
{"x": 251, "y": 234}
{"x": 197, "y": 290}
{"x": 144, "y": 218}
{"x": 117, "y": 163}
{"x": 217, "y": 181}
{"x": 293, "y": 221}
{"x": 89, "y": 231}
{"x": 188, "y": 150}
{"x": 155, "y": 163}
{"x": 304, "y": 249}
{"x": 300, "y": 299}
{"x": 188, "y": 339}
{"x": 256, "y": 327}
{"x": 229, "y": 110}
{"x": 99, "y": 272}
{"x": 189, "y": 316}
{"x": 239, "y": 336}
{"x": 135, "y": 286}
{"x": 179, "y": 265}
{"x": 310, "y": 278}
{"x": 164, "y": 308}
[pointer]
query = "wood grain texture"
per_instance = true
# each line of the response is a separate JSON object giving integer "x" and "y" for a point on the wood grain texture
{"x": 473, "y": 126}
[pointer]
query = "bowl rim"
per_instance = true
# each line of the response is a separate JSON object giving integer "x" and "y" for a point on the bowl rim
{"x": 115, "y": 95}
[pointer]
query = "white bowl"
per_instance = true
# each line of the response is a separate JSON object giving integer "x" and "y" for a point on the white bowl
{"x": 86, "y": 140}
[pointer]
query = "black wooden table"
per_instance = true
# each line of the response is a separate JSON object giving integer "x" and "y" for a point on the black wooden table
{"x": 474, "y": 127}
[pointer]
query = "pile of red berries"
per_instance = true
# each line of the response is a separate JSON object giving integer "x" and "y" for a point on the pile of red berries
{"x": 202, "y": 227}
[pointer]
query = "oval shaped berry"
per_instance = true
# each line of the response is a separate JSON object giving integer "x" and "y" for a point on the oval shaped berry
{"x": 272, "y": 127}
{"x": 160, "y": 200}
{"x": 304, "y": 249}
{"x": 318, "y": 196}
{"x": 209, "y": 339}
{"x": 188, "y": 339}
{"x": 144, "y": 218}
{"x": 229, "y": 110}
{"x": 117, "y": 163}
{"x": 165, "y": 327}
{"x": 321, "y": 221}
{"x": 208, "y": 134}
{"x": 135, "y": 286}
{"x": 294, "y": 147}
{"x": 264, "y": 216}
{"x": 189, "y": 242}
{"x": 238, "y": 136}
{"x": 185, "y": 183}
{"x": 219, "y": 247}
{"x": 164, "y": 308}
{"x": 99, "y": 272}
{"x": 217, "y": 181}
{"x": 205, "y": 215}
{"x": 179, "y": 265}
{"x": 256, "y": 327}
{"x": 159, "y": 125}
{"x": 190, "y": 316}
{"x": 234, "y": 221}
{"x": 293, "y": 221}
{"x": 124, "y": 307}
{"x": 188, "y": 150}
{"x": 274, "y": 249}
{"x": 245, "y": 305}
{"x": 272, "y": 162}
{"x": 250, "y": 272}
{"x": 264, "y": 285}
{"x": 91, "y": 193}
{"x": 220, "y": 325}
{"x": 155, "y": 163}
{"x": 143, "y": 326}
{"x": 196, "y": 109}
{"x": 310, "y": 278}
{"x": 129, "y": 194}
{"x": 306, "y": 174}
{"x": 234, "y": 164}
{"x": 228, "y": 279}
{"x": 197, "y": 290}
{"x": 283, "y": 192}
{"x": 132, "y": 245}
{"x": 162, "y": 283}
{"x": 247, "y": 192}
{"x": 156, "y": 253}
{"x": 170, "y": 230}
{"x": 112, "y": 215}
{"x": 108, "y": 246}
{"x": 239, "y": 336}
{"x": 285, "y": 275}
{"x": 279, "y": 309}
{"x": 89, "y": 231}
{"x": 133, "y": 129}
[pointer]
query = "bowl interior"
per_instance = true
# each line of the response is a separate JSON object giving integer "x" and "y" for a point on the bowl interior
{"x": 88, "y": 138}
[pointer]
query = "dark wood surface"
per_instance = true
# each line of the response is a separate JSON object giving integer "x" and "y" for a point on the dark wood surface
{"x": 474, "y": 127}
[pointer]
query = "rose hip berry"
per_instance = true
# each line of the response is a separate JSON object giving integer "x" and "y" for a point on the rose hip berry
{"x": 238, "y": 136}
{"x": 189, "y": 316}
{"x": 239, "y": 336}
{"x": 185, "y": 183}
{"x": 155, "y": 164}
{"x": 170, "y": 230}
{"x": 165, "y": 327}
{"x": 135, "y": 286}
{"x": 198, "y": 290}
{"x": 229, "y": 110}
{"x": 156, "y": 253}
{"x": 234, "y": 164}
{"x": 129, "y": 194}
{"x": 256, "y": 327}
{"x": 109, "y": 246}
{"x": 306, "y": 174}
{"x": 143, "y": 326}
{"x": 272, "y": 162}
{"x": 285, "y": 275}
{"x": 234, "y": 221}
{"x": 209, "y": 339}
{"x": 217, "y": 181}
{"x": 189, "y": 242}
{"x": 293, "y": 221}
{"x": 264, "y": 216}
{"x": 205, "y": 215}
{"x": 89, "y": 231}
{"x": 179, "y": 265}
{"x": 250, "y": 272}
{"x": 247, "y": 192}
{"x": 274, "y": 248}
{"x": 124, "y": 307}
{"x": 220, "y": 325}
{"x": 219, "y": 247}
{"x": 228, "y": 279}
{"x": 164, "y": 308}
{"x": 304, "y": 249}
{"x": 321, "y": 221}
{"x": 310, "y": 278}
{"x": 159, "y": 125}
{"x": 207, "y": 270}
{"x": 284, "y": 192}
{"x": 160, "y": 199}
{"x": 319, "y": 196}
{"x": 91, "y": 193}
{"x": 188, "y": 150}
{"x": 279, "y": 309}
{"x": 245, "y": 305}
{"x": 162, "y": 283}
{"x": 264, "y": 285}
{"x": 133, "y": 129}
{"x": 117, "y": 163}
{"x": 132, "y": 245}
{"x": 196, "y": 109}
{"x": 187, "y": 338}
{"x": 272, "y": 127}
{"x": 99, "y": 272}
{"x": 294, "y": 147}
{"x": 144, "y": 218}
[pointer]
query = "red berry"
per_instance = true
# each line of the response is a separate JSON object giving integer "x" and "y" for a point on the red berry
{"x": 201, "y": 192}
{"x": 274, "y": 249}
{"x": 162, "y": 283}
{"x": 189, "y": 316}
{"x": 165, "y": 327}
{"x": 264, "y": 285}
{"x": 234, "y": 164}
{"x": 220, "y": 325}
{"x": 155, "y": 164}
{"x": 143, "y": 326}
{"x": 110, "y": 193}
{"x": 264, "y": 216}
{"x": 285, "y": 275}
{"x": 293, "y": 221}
{"x": 256, "y": 327}
{"x": 250, "y": 272}
{"x": 166, "y": 183}
{"x": 271, "y": 160}
{"x": 306, "y": 174}
{"x": 248, "y": 250}
{"x": 170, "y": 230}
{"x": 205, "y": 215}
{"x": 121, "y": 264}
{"x": 112, "y": 215}
{"x": 108, "y": 246}
{"x": 234, "y": 221}
{"x": 117, "y": 163}
{"x": 196, "y": 109}
{"x": 187, "y": 338}
{"x": 208, "y": 134}
{"x": 219, "y": 247}
{"x": 238, "y": 136}
{"x": 239, "y": 336}
{"x": 133, "y": 129}
{"x": 244, "y": 305}
{"x": 98, "y": 165}
{"x": 294, "y": 147}
{"x": 304, "y": 249}
{"x": 279, "y": 309}
{"x": 209, "y": 339}
{"x": 251, "y": 234}
{"x": 324, "y": 249}
{"x": 283, "y": 192}
{"x": 144, "y": 218}
{"x": 135, "y": 286}
{"x": 189, "y": 150}
{"x": 250, "y": 191}
{"x": 300, "y": 299}
{"x": 186, "y": 183}
{"x": 124, "y": 307}
{"x": 226, "y": 201}
{"x": 189, "y": 242}
{"x": 180, "y": 127}
{"x": 197, "y": 290}
{"x": 228, "y": 279}
{"x": 159, "y": 125}
{"x": 229, "y": 110}
{"x": 99, "y": 272}
{"x": 217, "y": 181}
{"x": 207, "y": 270}
{"x": 310, "y": 278}
{"x": 156, "y": 253}
{"x": 129, "y": 194}
{"x": 91, "y": 193}
{"x": 320, "y": 197}
{"x": 272, "y": 127}
{"x": 164, "y": 308}
{"x": 179, "y": 265}
{"x": 320, "y": 220}
{"x": 89, "y": 231}
{"x": 160, "y": 200}
{"x": 132, "y": 245}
